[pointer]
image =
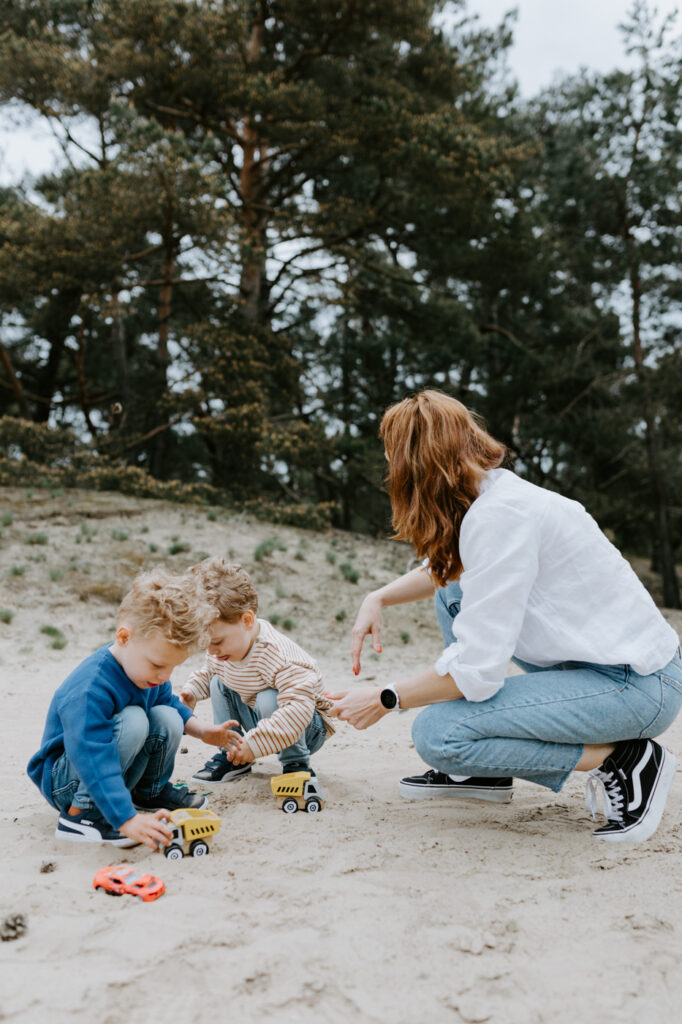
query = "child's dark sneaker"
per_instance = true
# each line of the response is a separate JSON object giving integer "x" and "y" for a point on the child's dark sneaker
{"x": 219, "y": 769}
{"x": 90, "y": 827}
{"x": 170, "y": 797}
{"x": 634, "y": 782}
{"x": 433, "y": 783}
{"x": 297, "y": 766}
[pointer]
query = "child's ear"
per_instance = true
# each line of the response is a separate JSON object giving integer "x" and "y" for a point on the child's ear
{"x": 248, "y": 618}
{"x": 123, "y": 635}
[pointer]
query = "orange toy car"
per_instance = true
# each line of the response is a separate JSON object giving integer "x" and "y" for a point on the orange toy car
{"x": 122, "y": 878}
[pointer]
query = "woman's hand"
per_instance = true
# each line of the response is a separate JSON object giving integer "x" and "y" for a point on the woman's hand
{"x": 360, "y": 707}
{"x": 367, "y": 621}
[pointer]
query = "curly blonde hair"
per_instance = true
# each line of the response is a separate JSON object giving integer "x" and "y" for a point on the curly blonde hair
{"x": 227, "y": 587}
{"x": 169, "y": 605}
{"x": 437, "y": 455}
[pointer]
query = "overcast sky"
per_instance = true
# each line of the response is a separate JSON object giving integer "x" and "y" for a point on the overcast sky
{"x": 551, "y": 36}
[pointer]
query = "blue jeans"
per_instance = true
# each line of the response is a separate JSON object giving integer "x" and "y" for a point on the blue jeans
{"x": 536, "y": 726}
{"x": 146, "y": 748}
{"x": 228, "y": 704}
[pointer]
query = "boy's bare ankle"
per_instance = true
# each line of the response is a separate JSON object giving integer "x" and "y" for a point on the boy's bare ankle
{"x": 74, "y": 810}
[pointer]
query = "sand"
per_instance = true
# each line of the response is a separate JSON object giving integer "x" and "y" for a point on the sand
{"x": 378, "y": 909}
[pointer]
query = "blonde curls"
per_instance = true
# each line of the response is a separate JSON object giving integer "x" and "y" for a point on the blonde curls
{"x": 437, "y": 454}
{"x": 169, "y": 605}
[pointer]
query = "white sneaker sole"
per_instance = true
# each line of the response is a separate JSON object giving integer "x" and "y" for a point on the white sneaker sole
{"x": 649, "y": 822}
{"x": 493, "y": 796}
{"x": 231, "y": 777}
{"x": 80, "y": 833}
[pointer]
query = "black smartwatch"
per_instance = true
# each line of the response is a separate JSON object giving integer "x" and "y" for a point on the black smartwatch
{"x": 389, "y": 698}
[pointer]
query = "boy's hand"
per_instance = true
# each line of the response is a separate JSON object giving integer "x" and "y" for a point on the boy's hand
{"x": 188, "y": 699}
{"x": 150, "y": 829}
{"x": 242, "y": 754}
{"x": 216, "y": 735}
{"x": 222, "y": 735}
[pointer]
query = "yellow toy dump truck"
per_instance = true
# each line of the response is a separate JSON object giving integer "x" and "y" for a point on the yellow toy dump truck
{"x": 298, "y": 790}
{"x": 192, "y": 830}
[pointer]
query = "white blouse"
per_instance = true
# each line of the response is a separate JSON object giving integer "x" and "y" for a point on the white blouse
{"x": 542, "y": 582}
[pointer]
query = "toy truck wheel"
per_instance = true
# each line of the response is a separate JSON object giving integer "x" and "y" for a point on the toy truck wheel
{"x": 174, "y": 852}
{"x": 313, "y": 805}
{"x": 198, "y": 848}
{"x": 290, "y": 806}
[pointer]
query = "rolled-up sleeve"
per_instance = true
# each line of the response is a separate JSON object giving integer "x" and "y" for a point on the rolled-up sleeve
{"x": 499, "y": 549}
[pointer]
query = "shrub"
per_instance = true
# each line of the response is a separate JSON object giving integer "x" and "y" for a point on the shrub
{"x": 177, "y": 547}
{"x": 6, "y": 615}
{"x": 56, "y": 574}
{"x": 38, "y": 538}
{"x": 405, "y": 637}
{"x": 349, "y": 573}
{"x": 17, "y": 570}
{"x": 288, "y": 624}
{"x": 119, "y": 535}
{"x": 266, "y": 548}
{"x": 331, "y": 557}
{"x": 58, "y": 639}
{"x": 7, "y": 519}
{"x": 340, "y": 615}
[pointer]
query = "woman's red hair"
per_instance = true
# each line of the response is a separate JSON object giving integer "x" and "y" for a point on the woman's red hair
{"x": 437, "y": 454}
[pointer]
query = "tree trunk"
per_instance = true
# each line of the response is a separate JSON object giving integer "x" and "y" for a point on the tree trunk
{"x": 14, "y": 383}
{"x": 671, "y": 589}
{"x": 58, "y": 320}
{"x": 252, "y": 284}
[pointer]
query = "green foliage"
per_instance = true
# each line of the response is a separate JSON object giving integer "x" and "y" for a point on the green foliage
{"x": 330, "y": 556}
{"x": 6, "y": 615}
{"x": 405, "y": 636}
{"x": 6, "y": 519}
{"x": 56, "y": 574}
{"x": 267, "y": 548}
{"x": 119, "y": 535}
{"x": 288, "y": 624}
{"x": 59, "y": 641}
{"x": 349, "y": 573}
{"x": 17, "y": 570}
{"x": 178, "y": 547}
{"x": 37, "y": 538}
{"x": 340, "y": 615}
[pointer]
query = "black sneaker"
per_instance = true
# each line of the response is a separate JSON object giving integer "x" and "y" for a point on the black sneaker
{"x": 297, "y": 766}
{"x": 219, "y": 769}
{"x": 90, "y": 827}
{"x": 170, "y": 797}
{"x": 634, "y": 782}
{"x": 433, "y": 783}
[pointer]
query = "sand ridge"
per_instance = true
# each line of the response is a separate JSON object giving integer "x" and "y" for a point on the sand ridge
{"x": 377, "y": 909}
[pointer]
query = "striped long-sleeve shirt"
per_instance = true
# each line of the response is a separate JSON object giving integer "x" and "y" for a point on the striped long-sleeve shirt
{"x": 274, "y": 661}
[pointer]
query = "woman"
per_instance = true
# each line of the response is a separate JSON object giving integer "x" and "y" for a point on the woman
{"x": 519, "y": 572}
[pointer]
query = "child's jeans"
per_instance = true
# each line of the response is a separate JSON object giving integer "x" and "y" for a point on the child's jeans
{"x": 147, "y": 745}
{"x": 228, "y": 704}
{"x": 536, "y": 725}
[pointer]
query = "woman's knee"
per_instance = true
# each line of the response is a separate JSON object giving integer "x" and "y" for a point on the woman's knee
{"x": 440, "y": 744}
{"x": 427, "y": 734}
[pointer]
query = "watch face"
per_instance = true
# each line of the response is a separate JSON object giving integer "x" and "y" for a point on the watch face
{"x": 388, "y": 699}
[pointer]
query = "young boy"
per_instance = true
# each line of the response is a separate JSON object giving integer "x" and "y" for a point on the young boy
{"x": 114, "y": 726}
{"x": 259, "y": 677}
